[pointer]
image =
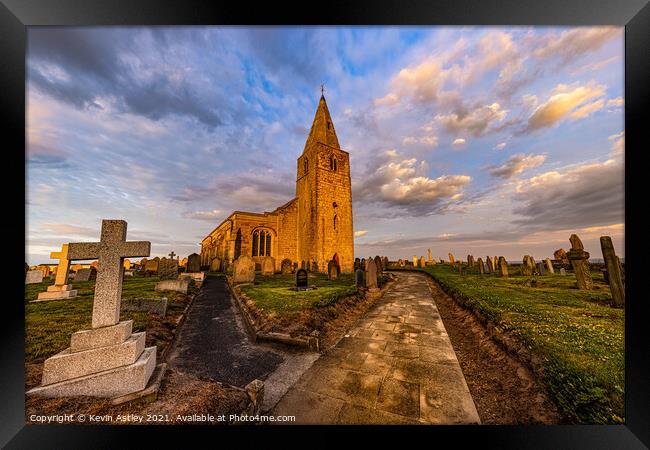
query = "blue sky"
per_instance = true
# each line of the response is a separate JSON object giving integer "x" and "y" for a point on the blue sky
{"x": 481, "y": 140}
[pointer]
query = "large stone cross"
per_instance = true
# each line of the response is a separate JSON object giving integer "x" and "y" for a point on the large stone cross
{"x": 110, "y": 251}
{"x": 64, "y": 265}
{"x": 171, "y": 255}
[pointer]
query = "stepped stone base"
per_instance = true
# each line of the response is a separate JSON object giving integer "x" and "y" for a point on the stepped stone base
{"x": 101, "y": 337}
{"x": 68, "y": 365}
{"x": 55, "y": 292}
{"x": 108, "y": 383}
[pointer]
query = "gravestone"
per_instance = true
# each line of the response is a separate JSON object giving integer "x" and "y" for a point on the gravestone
{"x": 562, "y": 271}
{"x": 429, "y": 257}
{"x": 88, "y": 274}
{"x": 333, "y": 270}
{"x": 60, "y": 288}
{"x": 268, "y": 265}
{"x": 194, "y": 263}
{"x": 452, "y": 260}
{"x": 423, "y": 263}
{"x": 470, "y": 261}
{"x": 549, "y": 266}
{"x": 579, "y": 260}
{"x": 286, "y": 266}
{"x": 359, "y": 279}
{"x": 34, "y": 276}
{"x": 400, "y": 262}
{"x": 94, "y": 265}
{"x": 371, "y": 275}
{"x": 490, "y": 264}
{"x": 107, "y": 360}
{"x": 384, "y": 261}
{"x": 561, "y": 256}
{"x": 526, "y": 269}
{"x": 168, "y": 269}
{"x": 153, "y": 305}
{"x": 481, "y": 267}
{"x": 178, "y": 285}
{"x": 215, "y": 265}
{"x": 244, "y": 269}
{"x": 357, "y": 263}
{"x": 540, "y": 268}
{"x": 302, "y": 279}
{"x": 151, "y": 267}
{"x": 380, "y": 266}
{"x": 45, "y": 269}
{"x": 614, "y": 275}
{"x": 127, "y": 264}
{"x": 415, "y": 261}
{"x": 503, "y": 267}
{"x": 183, "y": 263}
{"x": 363, "y": 263}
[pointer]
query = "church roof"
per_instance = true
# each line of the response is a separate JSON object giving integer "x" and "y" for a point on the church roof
{"x": 322, "y": 129}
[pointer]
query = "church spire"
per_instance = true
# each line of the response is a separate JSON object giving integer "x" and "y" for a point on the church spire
{"x": 322, "y": 129}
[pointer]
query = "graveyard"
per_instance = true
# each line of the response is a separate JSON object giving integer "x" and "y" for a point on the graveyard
{"x": 574, "y": 338}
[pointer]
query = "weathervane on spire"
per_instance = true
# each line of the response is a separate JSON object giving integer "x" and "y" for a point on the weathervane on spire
{"x": 322, "y": 89}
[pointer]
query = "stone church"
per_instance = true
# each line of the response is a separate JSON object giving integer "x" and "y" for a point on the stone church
{"x": 310, "y": 229}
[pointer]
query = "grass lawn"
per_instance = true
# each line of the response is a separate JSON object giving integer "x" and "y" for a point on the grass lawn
{"x": 577, "y": 335}
{"x": 272, "y": 294}
{"x": 48, "y": 325}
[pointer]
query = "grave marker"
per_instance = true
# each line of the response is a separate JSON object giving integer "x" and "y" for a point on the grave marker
{"x": 579, "y": 260}
{"x": 61, "y": 288}
{"x": 616, "y": 281}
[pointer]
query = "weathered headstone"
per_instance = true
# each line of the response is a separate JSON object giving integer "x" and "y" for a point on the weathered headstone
{"x": 481, "y": 267}
{"x": 452, "y": 260}
{"x": 333, "y": 270}
{"x": 384, "y": 261}
{"x": 168, "y": 269}
{"x": 151, "y": 267}
{"x": 415, "y": 261}
{"x": 359, "y": 279}
{"x": 107, "y": 360}
{"x": 286, "y": 266}
{"x": 363, "y": 263}
{"x": 526, "y": 269}
{"x": 127, "y": 264}
{"x": 561, "y": 256}
{"x": 614, "y": 275}
{"x": 549, "y": 265}
{"x": 429, "y": 257}
{"x": 34, "y": 276}
{"x": 503, "y": 267}
{"x": 45, "y": 269}
{"x": 422, "y": 262}
{"x": 88, "y": 274}
{"x": 470, "y": 261}
{"x": 380, "y": 266}
{"x": 244, "y": 269}
{"x": 183, "y": 262}
{"x": 215, "y": 265}
{"x": 579, "y": 260}
{"x": 60, "y": 288}
{"x": 562, "y": 271}
{"x": 357, "y": 263}
{"x": 400, "y": 262}
{"x": 490, "y": 264}
{"x": 178, "y": 285}
{"x": 540, "y": 268}
{"x": 268, "y": 265}
{"x": 302, "y": 279}
{"x": 194, "y": 263}
{"x": 371, "y": 275}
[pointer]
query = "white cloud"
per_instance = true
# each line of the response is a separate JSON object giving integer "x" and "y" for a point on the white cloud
{"x": 360, "y": 233}
{"x": 476, "y": 122}
{"x": 574, "y": 101}
{"x": 618, "y": 101}
{"x": 618, "y": 143}
{"x": 576, "y": 42}
{"x": 458, "y": 142}
{"x": 500, "y": 146}
{"x": 515, "y": 165}
{"x": 204, "y": 215}
{"x": 431, "y": 141}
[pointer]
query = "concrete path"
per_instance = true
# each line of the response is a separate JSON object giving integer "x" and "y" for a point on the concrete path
{"x": 213, "y": 344}
{"x": 396, "y": 365}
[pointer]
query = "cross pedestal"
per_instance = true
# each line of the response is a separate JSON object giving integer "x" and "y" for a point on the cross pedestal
{"x": 60, "y": 289}
{"x": 107, "y": 360}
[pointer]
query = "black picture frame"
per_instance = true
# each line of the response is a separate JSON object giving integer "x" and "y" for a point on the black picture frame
{"x": 16, "y": 15}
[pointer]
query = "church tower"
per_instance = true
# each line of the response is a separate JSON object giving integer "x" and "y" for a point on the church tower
{"x": 324, "y": 195}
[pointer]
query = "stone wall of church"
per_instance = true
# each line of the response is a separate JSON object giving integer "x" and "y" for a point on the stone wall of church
{"x": 287, "y": 237}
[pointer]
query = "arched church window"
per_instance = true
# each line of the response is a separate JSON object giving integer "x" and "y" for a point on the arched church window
{"x": 268, "y": 244}
{"x": 336, "y": 219}
{"x": 255, "y": 243}
{"x": 335, "y": 165}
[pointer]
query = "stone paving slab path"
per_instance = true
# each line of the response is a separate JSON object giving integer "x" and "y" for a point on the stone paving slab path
{"x": 395, "y": 366}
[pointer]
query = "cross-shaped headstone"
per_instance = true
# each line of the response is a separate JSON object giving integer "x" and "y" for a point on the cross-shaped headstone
{"x": 64, "y": 265}
{"x": 171, "y": 255}
{"x": 110, "y": 251}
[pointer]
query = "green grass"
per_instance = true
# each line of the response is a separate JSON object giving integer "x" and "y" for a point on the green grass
{"x": 577, "y": 335}
{"x": 273, "y": 294}
{"x": 48, "y": 325}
